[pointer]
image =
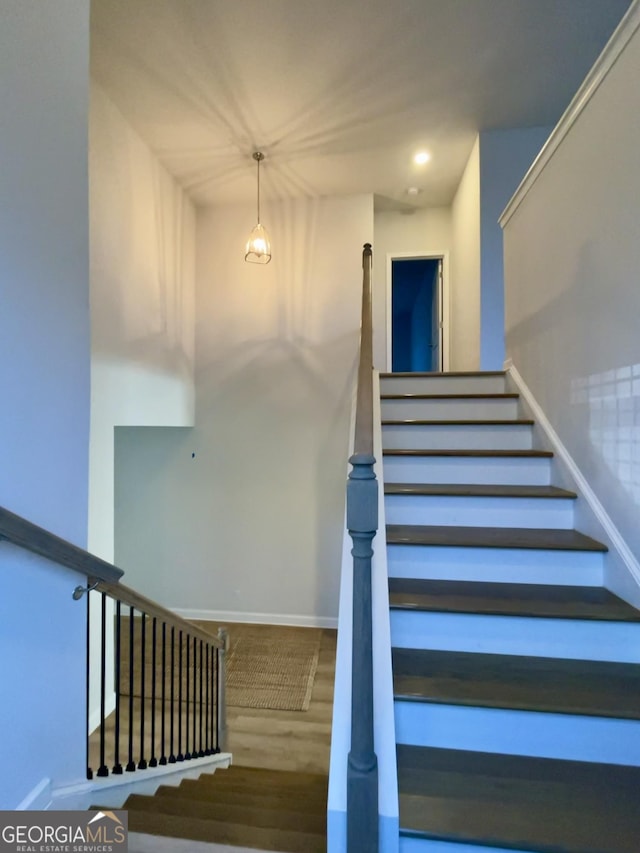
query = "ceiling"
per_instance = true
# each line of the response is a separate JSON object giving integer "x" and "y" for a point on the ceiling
{"x": 338, "y": 94}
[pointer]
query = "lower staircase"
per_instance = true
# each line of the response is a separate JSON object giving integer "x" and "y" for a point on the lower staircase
{"x": 241, "y": 807}
{"x": 516, "y": 673}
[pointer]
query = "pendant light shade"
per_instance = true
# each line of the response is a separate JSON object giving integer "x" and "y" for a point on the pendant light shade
{"x": 258, "y": 249}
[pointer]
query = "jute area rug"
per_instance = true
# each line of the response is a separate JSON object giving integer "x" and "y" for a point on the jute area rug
{"x": 272, "y": 673}
{"x": 268, "y": 666}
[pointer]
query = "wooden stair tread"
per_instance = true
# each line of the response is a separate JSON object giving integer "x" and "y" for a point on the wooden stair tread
{"x": 474, "y": 490}
{"x": 267, "y": 776}
{"x": 233, "y": 812}
{"x": 459, "y": 422}
{"x": 442, "y": 374}
{"x": 261, "y": 809}
{"x": 596, "y": 688}
{"x": 269, "y": 797}
{"x": 534, "y": 804}
{"x": 506, "y": 599}
{"x": 219, "y": 832}
{"x": 496, "y": 395}
{"x": 478, "y": 454}
{"x": 491, "y": 537}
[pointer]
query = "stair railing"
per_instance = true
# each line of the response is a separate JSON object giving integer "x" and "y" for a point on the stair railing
{"x": 362, "y": 523}
{"x": 161, "y": 679}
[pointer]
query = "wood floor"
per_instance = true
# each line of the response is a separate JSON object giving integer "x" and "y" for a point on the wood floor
{"x": 286, "y": 740}
{"x": 277, "y": 740}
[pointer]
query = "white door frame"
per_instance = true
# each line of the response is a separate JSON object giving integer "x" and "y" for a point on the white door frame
{"x": 420, "y": 256}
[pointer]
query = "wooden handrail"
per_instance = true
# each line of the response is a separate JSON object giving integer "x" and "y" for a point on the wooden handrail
{"x": 204, "y": 674}
{"x": 103, "y": 576}
{"x": 25, "y": 534}
{"x": 131, "y": 598}
{"x": 363, "y": 441}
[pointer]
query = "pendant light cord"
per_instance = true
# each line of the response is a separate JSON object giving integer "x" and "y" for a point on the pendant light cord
{"x": 258, "y": 159}
{"x": 258, "y": 156}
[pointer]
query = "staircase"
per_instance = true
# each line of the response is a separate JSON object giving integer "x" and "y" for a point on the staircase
{"x": 516, "y": 676}
{"x": 242, "y": 807}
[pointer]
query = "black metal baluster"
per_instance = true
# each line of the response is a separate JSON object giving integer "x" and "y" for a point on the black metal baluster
{"x": 163, "y": 693}
{"x": 153, "y": 761}
{"x": 88, "y": 687}
{"x": 180, "y": 756}
{"x": 216, "y": 711}
{"x": 103, "y": 770}
{"x": 221, "y": 702}
{"x": 194, "y": 751}
{"x": 187, "y": 753}
{"x": 142, "y": 764}
{"x": 117, "y": 767}
{"x": 207, "y": 743}
{"x": 172, "y": 757}
{"x": 201, "y": 751}
{"x": 131, "y": 766}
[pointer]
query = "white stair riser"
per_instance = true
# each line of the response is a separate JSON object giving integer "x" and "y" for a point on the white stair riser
{"x": 542, "y": 735}
{"x": 497, "y": 565}
{"x": 426, "y": 845}
{"x": 442, "y": 384}
{"x": 552, "y": 513}
{"x": 457, "y": 437}
{"x": 512, "y": 471}
{"x": 455, "y": 409}
{"x": 515, "y": 635}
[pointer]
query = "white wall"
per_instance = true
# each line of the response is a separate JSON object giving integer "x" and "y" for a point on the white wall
{"x": 421, "y": 232}
{"x": 249, "y": 505}
{"x": 572, "y": 260}
{"x": 505, "y": 156}
{"x": 465, "y": 268}
{"x": 142, "y": 300}
{"x": 44, "y": 375}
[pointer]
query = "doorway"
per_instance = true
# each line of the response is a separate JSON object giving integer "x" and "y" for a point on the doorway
{"x": 415, "y": 327}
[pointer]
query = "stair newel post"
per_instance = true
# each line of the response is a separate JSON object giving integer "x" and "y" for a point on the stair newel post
{"x": 362, "y": 765}
{"x": 223, "y": 635}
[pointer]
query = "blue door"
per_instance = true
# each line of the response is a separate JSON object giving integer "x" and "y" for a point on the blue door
{"x": 415, "y": 315}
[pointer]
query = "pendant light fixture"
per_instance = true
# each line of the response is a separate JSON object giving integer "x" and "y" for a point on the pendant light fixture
{"x": 258, "y": 249}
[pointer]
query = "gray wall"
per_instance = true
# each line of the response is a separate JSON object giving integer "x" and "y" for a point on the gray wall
{"x": 44, "y": 375}
{"x": 250, "y": 527}
{"x": 572, "y": 256}
{"x": 142, "y": 300}
{"x": 496, "y": 165}
{"x": 505, "y": 156}
{"x": 465, "y": 268}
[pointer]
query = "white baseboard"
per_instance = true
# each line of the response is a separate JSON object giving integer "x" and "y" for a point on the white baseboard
{"x": 38, "y": 798}
{"x": 257, "y": 618}
{"x": 610, "y": 531}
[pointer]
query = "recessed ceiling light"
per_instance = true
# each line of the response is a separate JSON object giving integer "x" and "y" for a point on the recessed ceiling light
{"x": 422, "y": 157}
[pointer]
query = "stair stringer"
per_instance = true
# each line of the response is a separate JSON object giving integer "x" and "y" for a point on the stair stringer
{"x": 621, "y": 568}
{"x": 114, "y": 790}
